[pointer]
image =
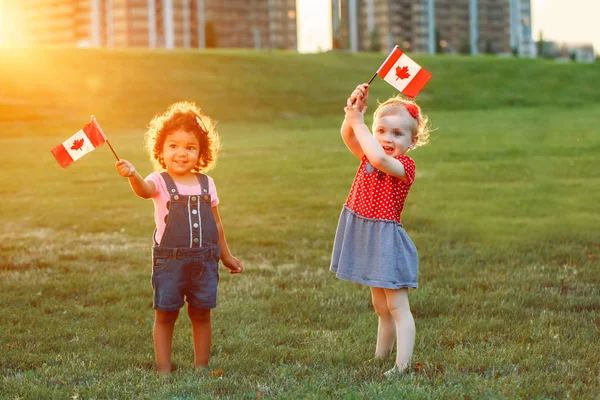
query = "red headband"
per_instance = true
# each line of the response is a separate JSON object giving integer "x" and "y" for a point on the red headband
{"x": 413, "y": 110}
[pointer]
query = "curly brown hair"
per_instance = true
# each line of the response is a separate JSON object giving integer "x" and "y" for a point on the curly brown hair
{"x": 183, "y": 115}
{"x": 398, "y": 104}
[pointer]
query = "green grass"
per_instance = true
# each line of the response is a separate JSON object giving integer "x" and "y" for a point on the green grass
{"x": 263, "y": 86}
{"x": 503, "y": 212}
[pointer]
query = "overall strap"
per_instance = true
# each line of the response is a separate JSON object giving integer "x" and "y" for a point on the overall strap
{"x": 203, "y": 179}
{"x": 171, "y": 187}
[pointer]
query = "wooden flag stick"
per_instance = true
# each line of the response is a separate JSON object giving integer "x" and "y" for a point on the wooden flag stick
{"x": 113, "y": 150}
{"x": 373, "y": 77}
{"x": 107, "y": 142}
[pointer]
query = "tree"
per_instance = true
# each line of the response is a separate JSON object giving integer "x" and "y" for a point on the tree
{"x": 465, "y": 47}
{"x": 375, "y": 40}
{"x": 489, "y": 47}
{"x": 540, "y": 45}
{"x": 438, "y": 42}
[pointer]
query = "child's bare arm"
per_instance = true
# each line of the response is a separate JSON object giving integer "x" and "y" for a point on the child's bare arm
{"x": 350, "y": 140}
{"x": 358, "y": 98}
{"x": 235, "y": 266}
{"x": 139, "y": 186}
{"x": 371, "y": 147}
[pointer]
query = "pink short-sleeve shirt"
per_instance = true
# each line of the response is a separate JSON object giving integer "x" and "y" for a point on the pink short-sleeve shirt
{"x": 161, "y": 197}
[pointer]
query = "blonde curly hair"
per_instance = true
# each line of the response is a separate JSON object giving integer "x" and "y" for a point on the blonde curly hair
{"x": 395, "y": 105}
{"x": 187, "y": 116}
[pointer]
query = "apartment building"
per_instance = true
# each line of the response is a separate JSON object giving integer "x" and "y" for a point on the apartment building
{"x": 269, "y": 24}
{"x": 448, "y": 26}
{"x": 521, "y": 40}
{"x": 253, "y": 23}
{"x": 381, "y": 24}
{"x": 384, "y": 23}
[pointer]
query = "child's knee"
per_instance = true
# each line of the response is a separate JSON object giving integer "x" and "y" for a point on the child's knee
{"x": 397, "y": 301}
{"x": 400, "y": 311}
{"x": 166, "y": 317}
{"x": 381, "y": 307}
{"x": 198, "y": 314}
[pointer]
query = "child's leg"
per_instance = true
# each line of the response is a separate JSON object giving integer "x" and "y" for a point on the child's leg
{"x": 386, "y": 330}
{"x": 201, "y": 332}
{"x": 164, "y": 322}
{"x": 399, "y": 307}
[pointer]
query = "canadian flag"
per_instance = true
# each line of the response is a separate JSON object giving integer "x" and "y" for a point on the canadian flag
{"x": 403, "y": 73}
{"x": 78, "y": 145}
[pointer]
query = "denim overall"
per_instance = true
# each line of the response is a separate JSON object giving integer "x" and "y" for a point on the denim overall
{"x": 186, "y": 262}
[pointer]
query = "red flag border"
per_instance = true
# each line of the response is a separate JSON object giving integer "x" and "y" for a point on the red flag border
{"x": 389, "y": 62}
{"x": 417, "y": 83}
{"x": 94, "y": 133}
{"x": 62, "y": 155}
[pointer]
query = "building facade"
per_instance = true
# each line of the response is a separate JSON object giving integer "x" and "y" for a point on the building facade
{"x": 441, "y": 26}
{"x": 521, "y": 40}
{"x": 261, "y": 24}
{"x": 253, "y": 23}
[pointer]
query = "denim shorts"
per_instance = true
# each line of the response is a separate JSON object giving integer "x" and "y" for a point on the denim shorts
{"x": 185, "y": 275}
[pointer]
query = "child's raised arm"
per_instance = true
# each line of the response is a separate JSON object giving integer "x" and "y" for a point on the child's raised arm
{"x": 139, "y": 186}
{"x": 372, "y": 149}
{"x": 359, "y": 98}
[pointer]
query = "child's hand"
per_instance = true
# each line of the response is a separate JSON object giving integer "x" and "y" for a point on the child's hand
{"x": 235, "y": 266}
{"x": 354, "y": 117}
{"x": 125, "y": 168}
{"x": 360, "y": 96}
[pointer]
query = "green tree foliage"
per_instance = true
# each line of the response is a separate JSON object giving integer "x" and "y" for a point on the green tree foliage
{"x": 540, "y": 44}
{"x": 374, "y": 40}
{"x": 489, "y": 47}
{"x": 438, "y": 46}
{"x": 465, "y": 47}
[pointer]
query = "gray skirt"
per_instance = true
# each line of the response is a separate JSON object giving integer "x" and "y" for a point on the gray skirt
{"x": 374, "y": 252}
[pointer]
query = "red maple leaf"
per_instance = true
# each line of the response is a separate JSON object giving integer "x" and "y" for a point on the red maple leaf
{"x": 402, "y": 73}
{"x": 77, "y": 144}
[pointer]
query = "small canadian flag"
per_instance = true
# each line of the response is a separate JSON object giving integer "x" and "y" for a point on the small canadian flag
{"x": 78, "y": 145}
{"x": 403, "y": 73}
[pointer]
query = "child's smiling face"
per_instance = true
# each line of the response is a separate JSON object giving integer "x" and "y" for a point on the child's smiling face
{"x": 181, "y": 151}
{"x": 394, "y": 133}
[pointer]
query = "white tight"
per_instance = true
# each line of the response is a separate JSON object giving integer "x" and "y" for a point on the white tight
{"x": 395, "y": 322}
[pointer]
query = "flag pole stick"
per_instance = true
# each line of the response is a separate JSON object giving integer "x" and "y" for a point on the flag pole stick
{"x": 373, "y": 77}
{"x": 107, "y": 142}
{"x": 113, "y": 150}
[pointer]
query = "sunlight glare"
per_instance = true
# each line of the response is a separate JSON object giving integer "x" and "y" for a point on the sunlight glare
{"x": 1, "y": 24}
{"x": 572, "y": 22}
{"x": 314, "y": 26}
{"x": 11, "y": 27}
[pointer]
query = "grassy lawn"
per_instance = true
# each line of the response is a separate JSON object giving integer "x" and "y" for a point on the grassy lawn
{"x": 503, "y": 212}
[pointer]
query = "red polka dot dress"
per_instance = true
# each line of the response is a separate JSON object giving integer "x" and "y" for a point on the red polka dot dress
{"x": 371, "y": 247}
